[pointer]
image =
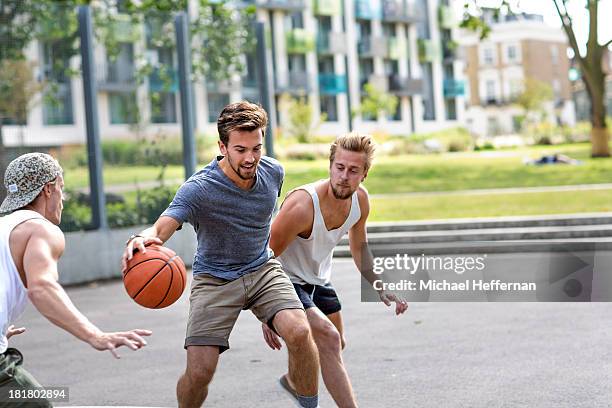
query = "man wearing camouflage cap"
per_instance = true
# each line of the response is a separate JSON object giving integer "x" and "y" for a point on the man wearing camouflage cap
{"x": 31, "y": 244}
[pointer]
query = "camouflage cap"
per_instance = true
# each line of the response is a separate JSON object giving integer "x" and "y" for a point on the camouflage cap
{"x": 25, "y": 178}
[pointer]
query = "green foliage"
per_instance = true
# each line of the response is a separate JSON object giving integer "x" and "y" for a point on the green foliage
{"x": 535, "y": 93}
{"x": 301, "y": 124}
{"x": 376, "y": 101}
{"x": 18, "y": 88}
{"x": 148, "y": 207}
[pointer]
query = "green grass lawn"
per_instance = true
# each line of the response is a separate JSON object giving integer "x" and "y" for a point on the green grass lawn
{"x": 440, "y": 172}
{"x": 472, "y": 206}
{"x": 415, "y": 173}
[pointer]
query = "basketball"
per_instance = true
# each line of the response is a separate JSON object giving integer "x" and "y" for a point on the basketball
{"x": 156, "y": 278}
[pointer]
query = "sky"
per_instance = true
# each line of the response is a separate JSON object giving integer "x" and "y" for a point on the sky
{"x": 576, "y": 10}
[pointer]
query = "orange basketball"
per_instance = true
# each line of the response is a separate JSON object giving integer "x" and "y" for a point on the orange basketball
{"x": 156, "y": 278}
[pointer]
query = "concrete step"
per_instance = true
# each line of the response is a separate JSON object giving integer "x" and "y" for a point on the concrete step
{"x": 488, "y": 234}
{"x": 486, "y": 247}
{"x": 496, "y": 222}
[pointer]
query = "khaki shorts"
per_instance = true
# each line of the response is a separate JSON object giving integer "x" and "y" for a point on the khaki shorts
{"x": 214, "y": 303}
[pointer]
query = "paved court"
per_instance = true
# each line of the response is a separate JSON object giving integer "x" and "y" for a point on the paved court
{"x": 436, "y": 355}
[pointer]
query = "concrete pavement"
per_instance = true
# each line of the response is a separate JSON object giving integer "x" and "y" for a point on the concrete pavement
{"x": 436, "y": 355}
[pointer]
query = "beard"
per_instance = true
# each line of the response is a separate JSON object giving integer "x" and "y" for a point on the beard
{"x": 241, "y": 172}
{"x": 341, "y": 195}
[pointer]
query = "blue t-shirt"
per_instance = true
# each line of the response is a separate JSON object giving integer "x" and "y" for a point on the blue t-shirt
{"x": 232, "y": 224}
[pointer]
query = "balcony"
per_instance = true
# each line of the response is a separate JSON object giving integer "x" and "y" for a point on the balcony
{"x": 300, "y": 41}
{"x": 124, "y": 30}
{"x": 285, "y": 5}
{"x": 405, "y": 86}
{"x": 400, "y": 11}
{"x": 332, "y": 84}
{"x": 367, "y": 10}
{"x": 328, "y": 7}
{"x": 370, "y": 47}
{"x": 450, "y": 50}
{"x": 294, "y": 82}
{"x": 396, "y": 49}
{"x": 453, "y": 88}
{"x": 379, "y": 82}
{"x": 163, "y": 80}
{"x": 115, "y": 77}
{"x": 428, "y": 51}
{"x": 331, "y": 43}
{"x": 446, "y": 17}
{"x": 223, "y": 87}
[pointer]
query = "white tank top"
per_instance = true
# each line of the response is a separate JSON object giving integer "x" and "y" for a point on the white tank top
{"x": 13, "y": 295}
{"x": 308, "y": 260}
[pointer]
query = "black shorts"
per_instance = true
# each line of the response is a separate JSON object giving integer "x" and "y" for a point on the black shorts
{"x": 323, "y": 297}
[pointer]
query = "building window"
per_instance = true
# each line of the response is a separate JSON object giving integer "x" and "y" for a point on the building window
{"x": 163, "y": 107}
{"x": 57, "y": 106}
{"x": 216, "y": 103}
{"x": 397, "y": 115}
{"x": 122, "y": 107}
{"x": 554, "y": 54}
{"x": 512, "y": 54}
{"x": 329, "y": 107}
{"x": 489, "y": 56}
{"x": 490, "y": 92}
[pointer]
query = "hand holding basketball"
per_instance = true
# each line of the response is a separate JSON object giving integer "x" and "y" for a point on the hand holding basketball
{"x": 155, "y": 278}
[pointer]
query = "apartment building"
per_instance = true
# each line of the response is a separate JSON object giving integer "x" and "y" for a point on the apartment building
{"x": 519, "y": 47}
{"x": 323, "y": 50}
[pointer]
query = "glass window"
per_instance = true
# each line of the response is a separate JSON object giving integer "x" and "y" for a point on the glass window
{"x": 216, "y": 103}
{"x": 329, "y": 107}
{"x": 122, "y": 107}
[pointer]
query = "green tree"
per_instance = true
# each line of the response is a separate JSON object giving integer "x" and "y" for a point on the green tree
{"x": 376, "y": 101}
{"x": 590, "y": 62}
{"x": 533, "y": 97}
{"x": 301, "y": 123}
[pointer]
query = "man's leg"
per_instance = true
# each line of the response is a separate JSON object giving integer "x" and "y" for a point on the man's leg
{"x": 328, "y": 341}
{"x": 292, "y": 326}
{"x": 192, "y": 387}
{"x": 336, "y": 319}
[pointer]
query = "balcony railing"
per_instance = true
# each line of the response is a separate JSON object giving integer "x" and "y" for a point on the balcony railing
{"x": 328, "y": 7}
{"x": 405, "y": 86}
{"x": 300, "y": 41}
{"x": 163, "y": 80}
{"x": 446, "y": 17}
{"x": 396, "y": 49}
{"x": 294, "y": 82}
{"x": 370, "y": 47}
{"x": 428, "y": 51}
{"x": 331, "y": 43}
{"x": 379, "y": 82}
{"x": 286, "y": 5}
{"x": 223, "y": 86}
{"x": 453, "y": 88}
{"x": 332, "y": 84}
{"x": 367, "y": 10}
{"x": 400, "y": 11}
{"x": 115, "y": 77}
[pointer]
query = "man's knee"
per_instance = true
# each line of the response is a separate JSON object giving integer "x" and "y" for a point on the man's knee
{"x": 298, "y": 333}
{"x": 329, "y": 338}
{"x": 200, "y": 375}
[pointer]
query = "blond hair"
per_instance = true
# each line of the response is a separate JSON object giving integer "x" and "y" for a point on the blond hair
{"x": 354, "y": 142}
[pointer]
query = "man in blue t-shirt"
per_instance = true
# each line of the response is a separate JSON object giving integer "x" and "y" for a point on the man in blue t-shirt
{"x": 230, "y": 204}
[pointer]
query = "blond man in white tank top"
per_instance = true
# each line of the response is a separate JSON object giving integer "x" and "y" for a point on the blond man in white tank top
{"x": 31, "y": 244}
{"x": 310, "y": 223}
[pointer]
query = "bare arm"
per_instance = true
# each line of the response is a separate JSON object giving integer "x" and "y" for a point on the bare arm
{"x": 41, "y": 256}
{"x": 158, "y": 233}
{"x": 362, "y": 255}
{"x": 294, "y": 218}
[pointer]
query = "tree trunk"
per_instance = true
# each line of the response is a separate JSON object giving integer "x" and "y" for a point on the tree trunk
{"x": 599, "y": 131}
